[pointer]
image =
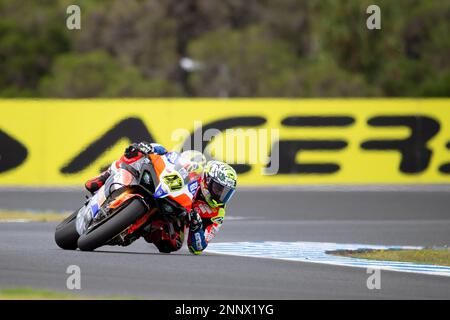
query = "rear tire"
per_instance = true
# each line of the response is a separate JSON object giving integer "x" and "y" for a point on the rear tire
{"x": 111, "y": 228}
{"x": 66, "y": 235}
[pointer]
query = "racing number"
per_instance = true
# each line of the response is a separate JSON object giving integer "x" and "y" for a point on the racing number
{"x": 173, "y": 181}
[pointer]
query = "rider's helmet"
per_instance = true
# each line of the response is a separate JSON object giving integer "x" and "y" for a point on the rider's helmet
{"x": 218, "y": 184}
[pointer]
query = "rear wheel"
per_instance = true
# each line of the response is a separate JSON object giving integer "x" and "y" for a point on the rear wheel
{"x": 66, "y": 235}
{"x": 111, "y": 228}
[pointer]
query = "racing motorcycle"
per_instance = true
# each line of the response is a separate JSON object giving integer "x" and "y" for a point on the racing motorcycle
{"x": 153, "y": 188}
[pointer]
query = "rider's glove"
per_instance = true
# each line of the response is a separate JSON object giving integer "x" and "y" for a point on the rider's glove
{"x": 145, "y": 148}
{"x": 196, "y": 240}
{"x": 131, "y": 151}
{"x": 196, "y": 221}
{"x": 158, "y": 149}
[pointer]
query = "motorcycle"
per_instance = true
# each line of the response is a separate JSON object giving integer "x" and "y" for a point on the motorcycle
{"x": 153, "y": 188}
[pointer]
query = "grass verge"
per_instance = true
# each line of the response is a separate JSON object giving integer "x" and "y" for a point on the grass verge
{"x": 439, "y": 257}
{"x": 37, "y": 294}
{"x": 12, "y": 215}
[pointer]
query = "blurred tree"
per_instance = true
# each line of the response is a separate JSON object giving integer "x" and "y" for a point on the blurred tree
{"x": 253, "y": 63}
{"x": 31, "y": 36}
{"x": 324, "y": 78}
{"x": 242, "y": 63}
{"x": 404, "y": 58}
{"x": 96, "y": 74}
{"x": 137, "y": 33}
{"x": 423, "y": 67}
{"x": 291, "y": 21}
{"x": 295, "y": 48}
{"x": 154, "y": 35}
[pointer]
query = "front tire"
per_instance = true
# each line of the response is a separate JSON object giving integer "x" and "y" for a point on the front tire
{"x": 66, "y": 235}
{"x": 111, "y": 228}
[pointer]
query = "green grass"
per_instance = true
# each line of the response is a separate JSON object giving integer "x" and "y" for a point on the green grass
{"x": 439, "y": 257}
{"x": 35, "y": 294}
{"x": 12, "y": 215}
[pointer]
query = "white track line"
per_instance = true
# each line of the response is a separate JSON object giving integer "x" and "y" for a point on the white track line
{"x": 316, "y": 252}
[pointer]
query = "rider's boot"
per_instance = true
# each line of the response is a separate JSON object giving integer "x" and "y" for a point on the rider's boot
{"x": 96, "y": 183}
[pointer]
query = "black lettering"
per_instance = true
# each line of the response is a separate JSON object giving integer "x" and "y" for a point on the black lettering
{"x": 133, "y": 129}
{"x": 222, "y": 125}
{"x": 415, "y": 153}
{"x": 318, "y": 121}
{"x": 12, "y": 152}
{"x": 445, "y": 168}
{"x": 288, "y": 150}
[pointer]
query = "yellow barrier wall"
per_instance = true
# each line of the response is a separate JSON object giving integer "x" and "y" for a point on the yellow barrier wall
{"x": 64, "y": 142}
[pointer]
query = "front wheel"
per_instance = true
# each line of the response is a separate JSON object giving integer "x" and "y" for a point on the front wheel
{"x": 111, "y": 228}
{"x": 66, "y": 234}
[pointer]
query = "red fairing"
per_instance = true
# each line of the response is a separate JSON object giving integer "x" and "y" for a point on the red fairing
{"x": 96, "y": 183}
{"x": 126, "y": 160}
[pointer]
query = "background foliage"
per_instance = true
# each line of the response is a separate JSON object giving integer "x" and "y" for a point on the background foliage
{"x": 251, "y": 48}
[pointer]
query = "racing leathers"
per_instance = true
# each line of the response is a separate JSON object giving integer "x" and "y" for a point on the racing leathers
{"x": 168, "y": 236}
{"x": 206, "y": 223}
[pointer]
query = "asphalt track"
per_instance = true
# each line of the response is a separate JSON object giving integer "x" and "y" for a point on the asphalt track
{"x": 29, "y": 257}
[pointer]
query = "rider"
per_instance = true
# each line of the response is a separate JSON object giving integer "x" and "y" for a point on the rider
{"x": 217, "y": 185}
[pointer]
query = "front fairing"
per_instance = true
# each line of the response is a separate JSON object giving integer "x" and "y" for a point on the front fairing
{"x": 177, "y": 180}
{"x": 118, "y": 179}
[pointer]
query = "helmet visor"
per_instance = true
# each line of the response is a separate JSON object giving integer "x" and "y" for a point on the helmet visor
{"x": 220, "y": 193}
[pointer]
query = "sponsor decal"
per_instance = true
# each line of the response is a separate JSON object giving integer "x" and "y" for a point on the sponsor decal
{"x": 159, "y": 192}
{"x": 172, "y": 157}
{"x": 205, "y": 208}
{"x": 218, "y": 220}
{"x": 94, "y": 209}
{"x": 183, "y": 172}
{"x": 193, "y": 186}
